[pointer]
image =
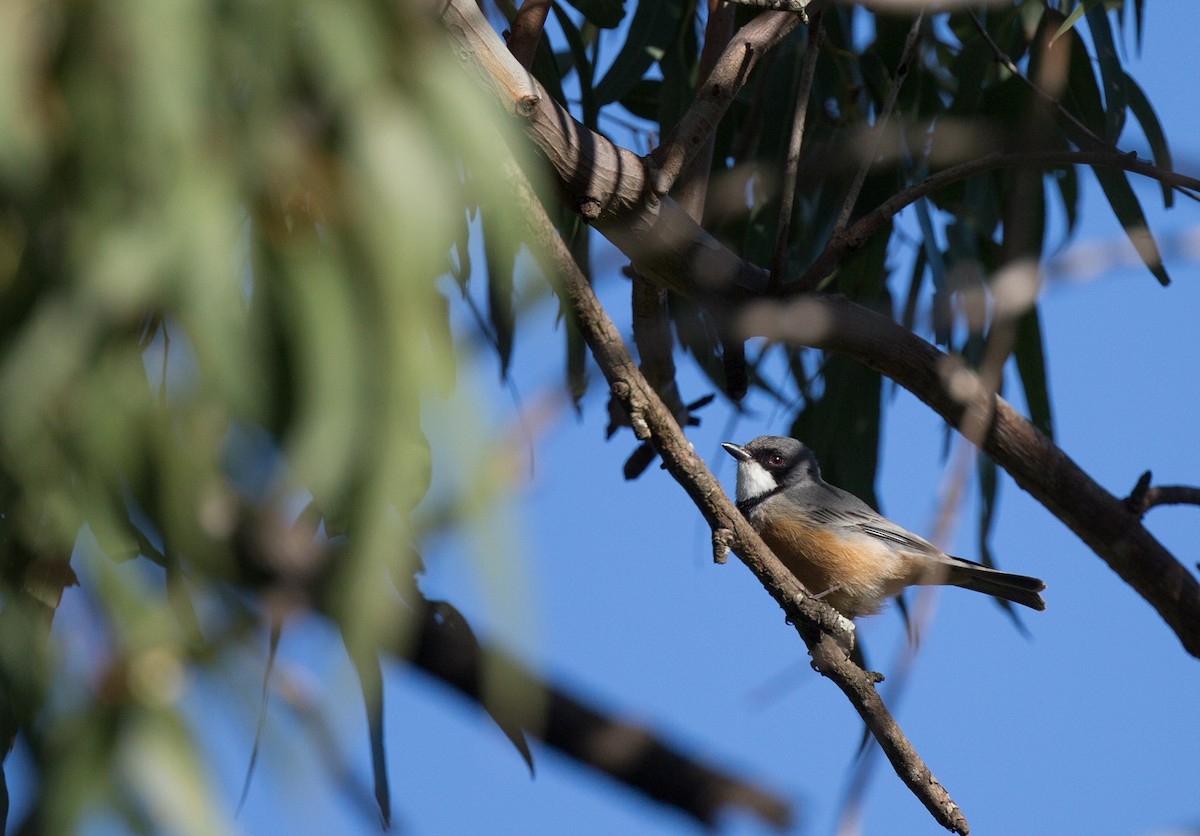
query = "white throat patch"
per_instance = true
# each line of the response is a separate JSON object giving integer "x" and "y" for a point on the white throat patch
{"x": 753, "y": 480}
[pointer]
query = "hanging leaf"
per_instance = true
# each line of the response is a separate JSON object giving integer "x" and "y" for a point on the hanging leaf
{"x": 583, "y": 67}
{"x": 988, "y": 494}
{"x": 842, "y": 426}
{"x": 1029, "y": 352}
{"x": 653, "y": 29}
{"x": 501, "y": 263}
{"x": 1073, "y": 18}
{"x": 606, "y": 14}
{"x": 1111, "y": 73}
{"x": 370, "y": 679}
{"x": 1144, "y": 112}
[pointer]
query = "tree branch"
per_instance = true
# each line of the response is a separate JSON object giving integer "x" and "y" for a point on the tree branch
{"x": 1143, "y": 497}
{"x": 853, "y": 237}
{"x": 608, "y": 186}
{"x": 818, "y": 625}
{"x": 729, "y": 74}
{"x": 287, "y": 562}
{"x": 527, "y": 29}
{"x": 628, "y": 753}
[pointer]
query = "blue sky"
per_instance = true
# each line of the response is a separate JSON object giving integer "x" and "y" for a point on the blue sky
{"x": 1089, "y": 726}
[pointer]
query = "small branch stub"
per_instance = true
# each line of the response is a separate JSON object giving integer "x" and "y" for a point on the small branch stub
{"x": 1143, "y": 497}
{"x": 722, "y": 541}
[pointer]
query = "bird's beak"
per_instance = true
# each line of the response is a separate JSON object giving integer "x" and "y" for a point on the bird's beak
{"x": 738, "y": 453}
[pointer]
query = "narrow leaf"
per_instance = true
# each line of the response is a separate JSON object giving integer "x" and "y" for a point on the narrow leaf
{"x": 272, "y": 647}
{"x": 583, "y": 67}
{"x": 842, "y": 426}
{"x": 1148, "y": 119}
{"x": 501, "y": 262}
{"x": 988, "y": 490}
{"x": 1111, "y": 72}
{"x": 370, "y": 679}
{"x": 1029, "y": 353}
{"x": 653, "y": 28}
{"x": 1128, "y": 210}
{"x": 606, "y": 14}
{"x": 1072, "y": 19}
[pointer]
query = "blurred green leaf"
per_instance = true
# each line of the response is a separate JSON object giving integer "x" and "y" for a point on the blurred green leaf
{"x": 370, "y": 679}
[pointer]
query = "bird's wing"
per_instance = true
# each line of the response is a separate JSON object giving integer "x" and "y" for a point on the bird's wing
{"x": 845, "y": 510}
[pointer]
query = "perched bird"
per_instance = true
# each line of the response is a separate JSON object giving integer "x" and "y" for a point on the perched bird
{"x": 838, "y": 546}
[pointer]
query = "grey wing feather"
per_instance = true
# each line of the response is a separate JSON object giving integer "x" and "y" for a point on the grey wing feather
{"x": 841, "y": 508}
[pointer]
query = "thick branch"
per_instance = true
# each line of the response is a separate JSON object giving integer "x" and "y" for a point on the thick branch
{"x": 287, "y": 563}
{"x": 667, "y": 245}
{"x": 629, "y": 753}
{"x": 816, "y": 623}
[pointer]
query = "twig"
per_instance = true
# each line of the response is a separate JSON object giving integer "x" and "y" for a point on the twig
{"x": 527, "y": 29}
{"x": 1143, "y": 497}
{"x": 889, "y": 104}
{"x": 712, "y": 98}
{"x": 817, "y": 625}
{"x": 791, "y": 165}
{"x": 857, "y": 234}
{"x": 1049, "y": 98}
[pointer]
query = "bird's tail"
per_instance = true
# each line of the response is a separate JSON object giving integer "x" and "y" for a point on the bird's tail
{"x": 1020, "y": 589}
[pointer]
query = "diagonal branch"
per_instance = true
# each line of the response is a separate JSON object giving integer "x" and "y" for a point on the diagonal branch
{"x": 608, "y": 186}
{"x": 817, "y": 624}
{"x": 280, "y": 562}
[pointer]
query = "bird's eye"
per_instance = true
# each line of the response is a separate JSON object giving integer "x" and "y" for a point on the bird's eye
{"x": 775, "y": 459}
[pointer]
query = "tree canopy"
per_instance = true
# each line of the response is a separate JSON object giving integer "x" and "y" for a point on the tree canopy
{"x": 246, "y": 251}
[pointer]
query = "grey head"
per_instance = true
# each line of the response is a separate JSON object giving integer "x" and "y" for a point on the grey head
{"x": 771, "y": 463}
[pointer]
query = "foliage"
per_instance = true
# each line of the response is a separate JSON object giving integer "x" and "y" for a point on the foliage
{"x": 221, "y": 227}
{"x": 224, "y": 235}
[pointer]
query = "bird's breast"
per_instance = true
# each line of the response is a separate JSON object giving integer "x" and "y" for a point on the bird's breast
{"x": 859, "y": 569}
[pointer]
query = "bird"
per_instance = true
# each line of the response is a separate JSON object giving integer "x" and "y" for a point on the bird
{"x": 839, "y": 547}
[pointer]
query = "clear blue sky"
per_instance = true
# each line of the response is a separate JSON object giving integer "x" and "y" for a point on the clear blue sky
{"x": 1089, "y": 727}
